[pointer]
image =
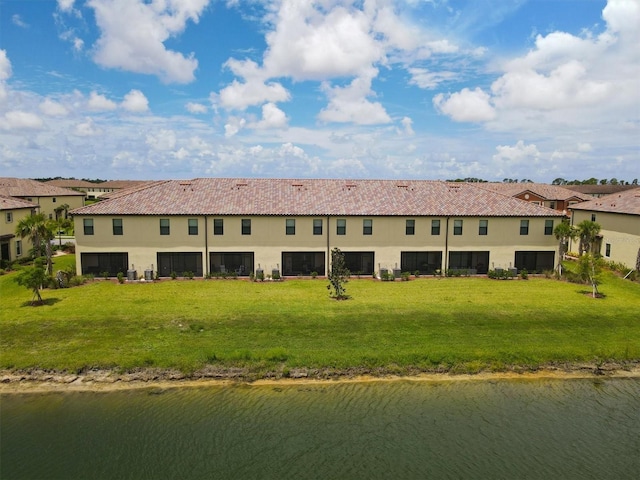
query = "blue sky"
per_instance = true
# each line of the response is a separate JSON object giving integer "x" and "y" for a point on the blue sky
{"x": 425, "y": 89}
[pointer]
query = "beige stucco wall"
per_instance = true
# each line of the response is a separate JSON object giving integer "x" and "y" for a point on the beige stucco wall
{"x": 621, "y": 231}
{"x": 48, "y": 206}
{"x": 9, "y": 228}
{"x": 141, "y": 238}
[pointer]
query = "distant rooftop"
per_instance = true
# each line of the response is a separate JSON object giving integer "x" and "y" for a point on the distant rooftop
{"x": 12, "y": 203}
{"x": 599, "y": 190}
{"x": 626, "y": 202}
{"x": 544, "y": 190}
{"x": 24, "y": 187}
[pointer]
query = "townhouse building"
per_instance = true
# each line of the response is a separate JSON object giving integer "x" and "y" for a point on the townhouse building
{"x": 209, "y": 225}
{"x": 12, "y": 210}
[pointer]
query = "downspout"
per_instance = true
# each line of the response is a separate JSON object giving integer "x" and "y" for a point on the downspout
{"x": 446, "y": 249}
{"x": 206, "y": 247}
{"x": 328, "y": 248}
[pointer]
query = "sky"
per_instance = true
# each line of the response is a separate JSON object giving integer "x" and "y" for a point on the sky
{"x": 380, "y": 89}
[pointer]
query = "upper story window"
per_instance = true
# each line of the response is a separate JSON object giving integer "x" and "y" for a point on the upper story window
{"x": 218, "y": 226}
{"x": 9, "y": 217}
{"x": 165, "y": 226}
{"x": 290, "y": 226}
{"x": 193, "y": 226}
{"x": 435, "y": 227}
{"x": 593, "y": 217}
{"x": 53, "y": 199}
{"x": 457, "y": 227}
{"x": 410, "y": 227}
{"x": 317, "y": 226}
{"x": 548, "y": 227}
{"x": 483, "y": 227}
{"x": 341, "y": 226}
{"x": 246, "y": 226}
{"x": 117, "y": 226}
{"x": 367, "y": 226}
{"x": 87, "y": 224}
{"x": 524, "y": 227}
{"x": 552, "y": 205}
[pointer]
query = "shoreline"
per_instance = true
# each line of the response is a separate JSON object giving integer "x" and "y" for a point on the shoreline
{"x": 40, "y": 381}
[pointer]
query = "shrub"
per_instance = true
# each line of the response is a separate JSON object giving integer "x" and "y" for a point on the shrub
{"x": 405, "y": 276}
{"x": 276, "y": 275}
{"x": 524, "y": 275}
{"x": 260, "y": 275}
{"x": 314, "y": 274}
{"x": 188, "y": 275}
{"x": 104, "y": 275}
{"x": 120, "y": 277}
{"x": 173, "y": 275}
{"x": 416, "y": 274}
{"x": 77, "y": 280}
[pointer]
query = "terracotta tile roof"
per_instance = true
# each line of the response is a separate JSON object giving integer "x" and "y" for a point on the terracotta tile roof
{"x": 543, "y": 190}
{"x": 599, "y": 189}
{"x": 129, "y": 189}
{"x": 24, "y": 187}
{"x": 12, "y": 203}
{"x": 71, "y": 183}
{"x": 241, "y": 196}
{"x": 627, "y": 202}
{"x": 118, "y": 184}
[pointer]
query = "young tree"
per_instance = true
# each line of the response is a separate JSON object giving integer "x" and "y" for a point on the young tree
{"x": 33, "y": 278}
{"x": 338, "y": 276}
{"x": 40, "y": 231}
{"x": 563, "y": 233}
{"x": 589, "y": 270}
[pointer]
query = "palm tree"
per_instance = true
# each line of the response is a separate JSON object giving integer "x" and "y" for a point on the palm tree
{"x": 62, "y": 208}
{"x": 563, "y": 233}
{"x": 588, "y": 232}
{"x": 38, "y": 228}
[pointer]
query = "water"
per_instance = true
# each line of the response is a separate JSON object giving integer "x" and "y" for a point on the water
{"x": 543, "y": 429}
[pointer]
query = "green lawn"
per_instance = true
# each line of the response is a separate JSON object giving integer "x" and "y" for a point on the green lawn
{"x": 459, "y": 324}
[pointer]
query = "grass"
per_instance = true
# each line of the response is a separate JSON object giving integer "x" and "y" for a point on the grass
{"x": 452, "y": 324}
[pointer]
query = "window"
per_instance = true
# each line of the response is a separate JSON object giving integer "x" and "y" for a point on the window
{"x": 483, "y": 227}
{"x": 524, "y": 227}
{"x": 548, "y": 227}
{"x": 410, "y": 227}
{"x": 435, "y": 227}
{"x": 607, "y": 250}
{"x": 117, "y": 226}
{"x": 165, "y": 227}
{"x": 54, "y": 199}
{"x": 246, "y": 226}
{"x": 457, "y": 227}
{"x": 317, "y": 226}
{"x": 9, "y": 217}
{"x": 552, "y": 205}
{"x": 193, "y": 226}
{"x": 593, "y": 217}
{"x": 341, "y": 227}
{"x": 290, "y": 226}
{"x": 367, "y": 226}
{"x": 87, "y": 224}
{"x": 218, "y": 226}
{"x": 19, "y": 248}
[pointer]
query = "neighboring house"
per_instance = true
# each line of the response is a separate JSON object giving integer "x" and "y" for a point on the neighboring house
{"x": 12, "y": 210}
{"x": 95, "y": 190}
{"x": 47, "y": 197}
{"x": 211, "y": 225}
{"x": 599, "y": 190}
{"x": 619, "y": 218}
{"x": 552, "y": 196}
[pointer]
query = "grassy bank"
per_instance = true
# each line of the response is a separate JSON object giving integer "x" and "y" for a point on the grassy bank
{"x": 459, "y": 324}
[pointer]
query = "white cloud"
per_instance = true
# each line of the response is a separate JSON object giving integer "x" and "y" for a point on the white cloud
{"x": 87, "y": 129}
{"x": 519, "y": 153}
{"x": 272, "y": 117}
{"x": 196, "y": 108}
{"x": 5, "y": 66}
{"x": 20, "y": 120}
{"x": 253, "y": 91}
{"x": 407, "y": 127}
{"x": 163, "y": 140}
{"x": 65, "y": 5}
{"x": 428, "y": 80}
{"x": 133, "y": 33}
{"x": 350, "y": 104}
{"x": 233, "y": 126}
{"x": 17, "y": 20}
{"x": 466, "y": 105}
{"x": 98, "y": 102}
{"x": 52, "y": 108}
{"x": 135, "y": 101}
